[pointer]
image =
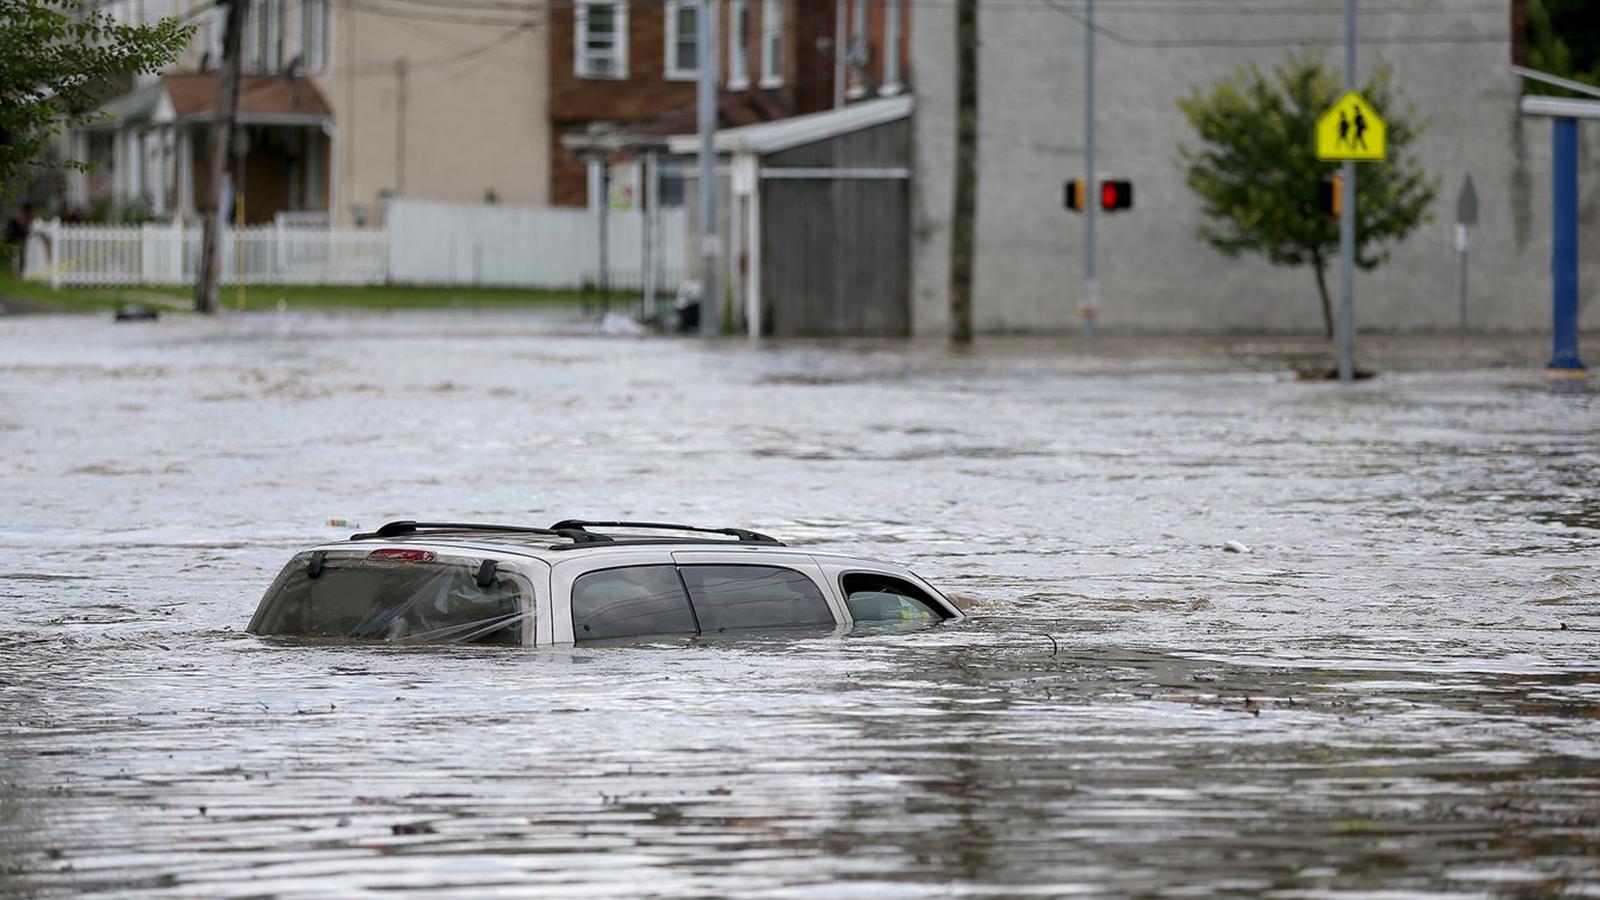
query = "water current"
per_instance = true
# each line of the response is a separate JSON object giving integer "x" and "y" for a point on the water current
{"x": 1396, "y": 689}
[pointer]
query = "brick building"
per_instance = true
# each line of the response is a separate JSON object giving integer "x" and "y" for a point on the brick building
{"x": 620, "y": 64}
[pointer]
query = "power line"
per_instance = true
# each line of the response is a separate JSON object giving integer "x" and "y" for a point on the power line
{"x": 442, "y": 18}
{"x": 453, "y": 59}
{"x": 1309, "y": 40}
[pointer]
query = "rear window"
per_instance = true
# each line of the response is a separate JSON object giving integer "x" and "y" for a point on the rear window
{"x": 630, "y": 602}
{"x": 882, "y": 598}
{"x": 421, "y": 602}
{"x": 728, "y": 597}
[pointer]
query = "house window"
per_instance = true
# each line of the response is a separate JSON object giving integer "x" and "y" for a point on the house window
{"x": 738, "y": 44}
{"x": 263, "y": 37}
{"x": 669, "y": 185}
{"x": 683, "y": 40}
{"x": 771, "y": 43}
{"x": 602, "y": 39}
{"x": 265, "y": 33}
{"x": 314, "y": 35}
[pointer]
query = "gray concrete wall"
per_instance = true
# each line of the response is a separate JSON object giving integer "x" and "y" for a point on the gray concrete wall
{"x": 1155, "y": 274}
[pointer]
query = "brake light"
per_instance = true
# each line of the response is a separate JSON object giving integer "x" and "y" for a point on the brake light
{"x": 402, "y": 554}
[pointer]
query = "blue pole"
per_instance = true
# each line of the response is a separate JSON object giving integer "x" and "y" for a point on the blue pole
{"x": 1564, "y": 360}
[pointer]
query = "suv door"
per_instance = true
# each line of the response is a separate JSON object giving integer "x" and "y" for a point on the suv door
{"x": 744, "y": 589}
{"x": 634, "y": 583}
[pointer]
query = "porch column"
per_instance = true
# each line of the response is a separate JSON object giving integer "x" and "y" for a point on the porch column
{"x": 1564, "y": 362}
{"x": 185, "y": 138}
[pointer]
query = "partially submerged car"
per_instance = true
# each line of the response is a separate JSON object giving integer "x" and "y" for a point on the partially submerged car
{"x": 577, "y": 581}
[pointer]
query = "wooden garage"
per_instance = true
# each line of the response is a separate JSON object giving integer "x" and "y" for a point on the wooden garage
{"x": 817, "y": 222}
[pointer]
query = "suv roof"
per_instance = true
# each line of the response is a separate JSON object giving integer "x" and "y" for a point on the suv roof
{"x": 569, "y": 534}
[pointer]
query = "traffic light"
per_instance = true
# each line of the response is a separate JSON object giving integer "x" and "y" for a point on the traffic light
{"x": 1115, "y": 194}
{"x": 1077, "y": 194}
{"x": 1330, "y": 196}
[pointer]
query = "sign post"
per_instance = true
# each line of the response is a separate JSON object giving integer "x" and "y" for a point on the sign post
{"x": 1351, "y": 131}
{"x": 1466, "y": 215}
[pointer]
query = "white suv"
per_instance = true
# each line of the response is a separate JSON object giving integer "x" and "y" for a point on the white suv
{"x": 578, "y": 581}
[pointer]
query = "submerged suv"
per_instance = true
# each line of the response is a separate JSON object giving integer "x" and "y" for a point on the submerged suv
{"x": 577, "y": 581}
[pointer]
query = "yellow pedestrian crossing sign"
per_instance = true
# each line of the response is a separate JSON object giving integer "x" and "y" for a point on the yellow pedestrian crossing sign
{"x": 1352, "y": 130}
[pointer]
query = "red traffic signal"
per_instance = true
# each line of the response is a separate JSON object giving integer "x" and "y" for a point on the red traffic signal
{"x": 1115, "y": 194}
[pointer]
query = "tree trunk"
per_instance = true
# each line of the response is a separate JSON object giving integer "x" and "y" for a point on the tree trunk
{"x": 964, "y": 214}
{"x": 1318, "y": 265}
{"x": 215, "y": 218}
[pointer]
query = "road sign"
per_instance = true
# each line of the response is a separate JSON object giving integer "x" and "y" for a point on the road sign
{"x": 1352, "y": 131}
{"x": 1467, "y": 203}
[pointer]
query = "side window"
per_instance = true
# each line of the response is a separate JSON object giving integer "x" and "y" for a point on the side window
{"x": 754, "y": 597}
{"x": 639, "y": 600}
{"x": 882, "y": 598}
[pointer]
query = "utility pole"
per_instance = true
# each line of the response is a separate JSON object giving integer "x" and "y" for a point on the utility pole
{"x": 400, "y": 99}
{"x": 216, "y": 217}
{"x": 1347, "y": 221}
{"x": 964, "y": 212}
{"x": 1091, "y": 206}
{"x": 710, "y": 243}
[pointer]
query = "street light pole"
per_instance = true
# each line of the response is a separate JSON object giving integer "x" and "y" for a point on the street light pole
{"x": 1347, "y": 221}
{"x": 1091, "y": 284}
{"x": 710, "y": 244}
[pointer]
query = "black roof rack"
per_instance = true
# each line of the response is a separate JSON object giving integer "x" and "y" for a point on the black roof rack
{"x": 574, "y": 530}
{"x": 745, "y": 536}
{"x": 407, "y": 526}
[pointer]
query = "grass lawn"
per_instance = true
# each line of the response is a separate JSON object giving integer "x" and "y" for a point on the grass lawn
{"x": 32, "y": 294}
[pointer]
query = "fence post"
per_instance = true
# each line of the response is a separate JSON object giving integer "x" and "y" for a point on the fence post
{"x": 279, "y": 251}
{"x": 53, "y": 233}
{"x": 147, "y": 253}
{"x": 175, "y": 254}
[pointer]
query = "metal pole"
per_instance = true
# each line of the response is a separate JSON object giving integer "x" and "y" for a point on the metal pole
{"x": 605, "y": 237}
{"x": 1091, "y": 206}
{"x": 647, "y": 225}
{"x": 710, "y": 244}
{"x": 1347, "y": 221}
{"x": 1564, "y": 362}
{"x": 400, "y": 127}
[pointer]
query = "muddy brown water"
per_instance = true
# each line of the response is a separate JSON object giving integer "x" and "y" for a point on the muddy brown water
{"x": 1397, "y": 690}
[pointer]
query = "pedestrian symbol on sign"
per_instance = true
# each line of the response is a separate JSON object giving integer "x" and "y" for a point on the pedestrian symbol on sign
{"x": 1352, "y": 130}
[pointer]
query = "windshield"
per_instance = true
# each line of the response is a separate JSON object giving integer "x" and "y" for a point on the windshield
{"x": 403, "y": 601}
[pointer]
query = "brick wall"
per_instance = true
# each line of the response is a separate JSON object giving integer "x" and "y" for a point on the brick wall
{"x": 646, "y": 92}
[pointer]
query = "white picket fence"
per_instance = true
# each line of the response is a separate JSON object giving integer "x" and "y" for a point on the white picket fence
{"x": 529, "y": 246}
{"x": 422, "y": 243}
{"x": 169, "y": 254}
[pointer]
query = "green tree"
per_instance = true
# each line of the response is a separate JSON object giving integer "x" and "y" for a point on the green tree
{"x": 1256, "y": 170}
{"x": 1561, "y": 40}
{"x": 58, "y": 60}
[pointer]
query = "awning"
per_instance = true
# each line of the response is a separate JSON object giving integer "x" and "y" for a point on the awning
{"x": 182, "y": 98}
{"x": 608, "y": 138}
{"x": 772, "y": 137}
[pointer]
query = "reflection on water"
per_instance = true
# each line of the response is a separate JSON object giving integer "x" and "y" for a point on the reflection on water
{"x": 1396, "y": 689}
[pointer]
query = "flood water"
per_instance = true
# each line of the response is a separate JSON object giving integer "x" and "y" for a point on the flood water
{"x": 1396, "y": 690}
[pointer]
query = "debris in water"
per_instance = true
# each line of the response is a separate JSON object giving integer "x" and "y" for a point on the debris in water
{"x": 419, "y": 828}
{"x": 616, "y": 323}
{"x": 1235, "y": 547}
{"x": 136, "y": 312}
